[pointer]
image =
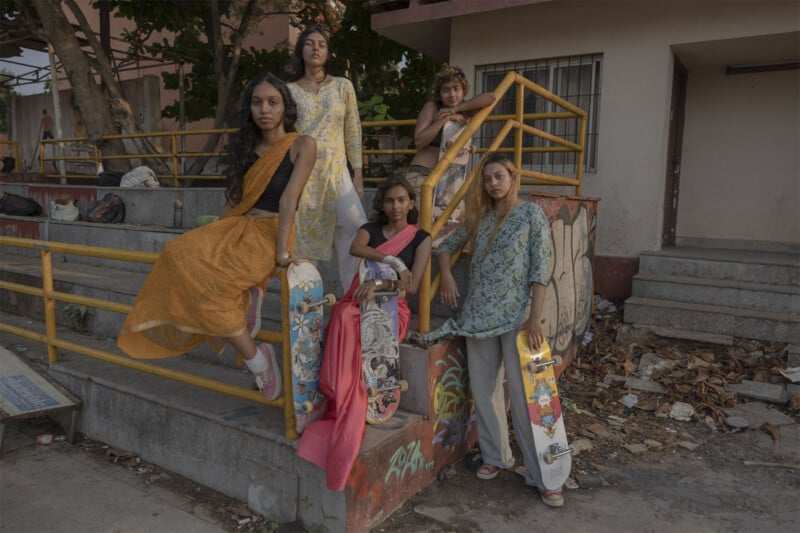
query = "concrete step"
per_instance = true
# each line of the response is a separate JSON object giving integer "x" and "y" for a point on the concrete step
{"x": 151, "y": 207}
{"x": 238, "y": 446}
{"x": 121, "y": 286}
{"x": 721, "y": 320}
{"x": 738, "y": 265}
{"x": 726, "y": 293}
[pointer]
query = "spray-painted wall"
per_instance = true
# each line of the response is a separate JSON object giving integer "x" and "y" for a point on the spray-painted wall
{"x": 568, "y": 298}
{"x": 409, "y": 460}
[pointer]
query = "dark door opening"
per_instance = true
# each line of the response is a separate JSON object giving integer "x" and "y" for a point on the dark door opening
{"x": 675, "y": 146}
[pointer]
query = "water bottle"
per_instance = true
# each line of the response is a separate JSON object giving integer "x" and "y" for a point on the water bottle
{"x": 177, "y": 215}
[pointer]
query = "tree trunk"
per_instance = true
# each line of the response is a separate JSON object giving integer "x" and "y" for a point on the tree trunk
{"x": 97, "y": 118}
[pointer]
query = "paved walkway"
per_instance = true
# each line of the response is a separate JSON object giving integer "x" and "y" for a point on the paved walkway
{"x": 45, "y": 489}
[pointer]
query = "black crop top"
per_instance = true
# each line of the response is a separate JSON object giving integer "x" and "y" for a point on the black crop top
{"x": 270, "y": 198}
{"x": 376, "y": 238}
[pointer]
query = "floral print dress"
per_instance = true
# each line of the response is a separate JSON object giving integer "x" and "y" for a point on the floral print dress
{"x": 331, "y": 117}
{"x": 500, "y": 273}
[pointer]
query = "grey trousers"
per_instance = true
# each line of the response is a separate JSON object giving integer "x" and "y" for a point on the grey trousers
{"x": 486, "y": 359}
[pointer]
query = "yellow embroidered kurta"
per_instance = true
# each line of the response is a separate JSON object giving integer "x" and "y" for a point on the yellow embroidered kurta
{"x": 331, "y": 118}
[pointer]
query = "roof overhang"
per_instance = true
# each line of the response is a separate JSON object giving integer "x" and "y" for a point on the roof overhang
{"x": 424, "y": 25}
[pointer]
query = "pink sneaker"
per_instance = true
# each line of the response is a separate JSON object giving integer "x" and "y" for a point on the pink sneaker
{"x": 269, "y": 381}
{"x": 254, "y": 311}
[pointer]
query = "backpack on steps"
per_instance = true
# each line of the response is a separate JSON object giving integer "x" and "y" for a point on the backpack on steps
{"x": 14, "y": 204}
{"x": 109, "y": 209}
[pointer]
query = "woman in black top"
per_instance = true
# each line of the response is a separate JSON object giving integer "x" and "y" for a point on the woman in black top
{"x": 391, "y": 238}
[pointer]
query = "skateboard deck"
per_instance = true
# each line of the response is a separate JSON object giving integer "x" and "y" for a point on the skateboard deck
{"x": 380, "y": 351}
{"x": 544, "y": 410}
{"x": 305, "y": 336}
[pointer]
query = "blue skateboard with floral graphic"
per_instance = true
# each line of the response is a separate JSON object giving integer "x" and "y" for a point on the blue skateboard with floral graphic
{"x": 544, "y": 409}
{"x": 305, "y": 336}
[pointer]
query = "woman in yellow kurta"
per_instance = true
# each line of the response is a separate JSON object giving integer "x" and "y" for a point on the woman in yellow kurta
{"x": 207, "y": 283}
{"x": 330, "y": 211}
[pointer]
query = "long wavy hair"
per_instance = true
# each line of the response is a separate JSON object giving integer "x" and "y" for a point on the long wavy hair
{"x": 445, "y": 75}
{"x": 245, "y": 141}
{"x": 297, "y": 68}
{"x": 380, "y": 193}
{"x": 479, "y": 203}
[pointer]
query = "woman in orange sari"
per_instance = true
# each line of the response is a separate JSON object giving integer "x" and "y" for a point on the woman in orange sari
{"x": 391, "y": 238}
{"x": 208, "y": 283}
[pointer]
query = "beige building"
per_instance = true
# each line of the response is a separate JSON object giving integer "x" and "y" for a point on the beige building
{"x": 694, "y": 114}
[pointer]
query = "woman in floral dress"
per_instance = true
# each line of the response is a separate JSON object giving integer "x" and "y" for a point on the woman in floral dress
{"x": 330, "y": 211}
{"x": 507, "y": 279}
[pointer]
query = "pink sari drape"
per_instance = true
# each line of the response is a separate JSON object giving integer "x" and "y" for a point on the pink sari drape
{"x": 333, "y": 442}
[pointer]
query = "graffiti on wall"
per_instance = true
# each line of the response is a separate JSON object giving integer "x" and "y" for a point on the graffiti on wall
{"x": 568, "y": 298}
{"x": 452, "y": 401}
{"x": 407, "y": 460}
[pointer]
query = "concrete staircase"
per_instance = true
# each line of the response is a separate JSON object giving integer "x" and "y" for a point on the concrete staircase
{"x": 714, "y": 291}
{"x": 233, "y": 445}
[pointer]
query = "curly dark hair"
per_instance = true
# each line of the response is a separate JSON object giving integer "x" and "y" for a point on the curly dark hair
{"x": 377, "y": 202}
{"x": 296, "y": 68}
{"x": 249, "y": 135}
{"x": 446, "y": 75}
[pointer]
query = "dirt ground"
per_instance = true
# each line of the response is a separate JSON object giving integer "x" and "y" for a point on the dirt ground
{"x": 674, "y": 475}
{"x": 689, "y": 475}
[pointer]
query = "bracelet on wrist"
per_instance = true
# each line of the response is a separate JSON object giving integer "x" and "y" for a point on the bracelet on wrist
{"x": 378, "y": 283}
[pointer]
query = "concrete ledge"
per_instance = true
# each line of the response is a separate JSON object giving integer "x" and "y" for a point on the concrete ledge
{"x": 238, "y": 447}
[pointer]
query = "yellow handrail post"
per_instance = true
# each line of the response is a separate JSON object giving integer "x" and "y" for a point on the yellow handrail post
{"x": 174, "y": 143}
{"x": 520, "y": 105}
{"x": 288, "y": 399}
{"x": 426, "y": 218}
{"x": 49, "y": 303}
{"x": 579, "y": 160}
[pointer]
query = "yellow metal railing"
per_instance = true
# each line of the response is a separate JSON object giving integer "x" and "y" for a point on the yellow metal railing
{"x": 88, "y": 156}
{"x": 14, "y": 153}
{"x": 51, "y": 296}
{"x": 516, "y": 122}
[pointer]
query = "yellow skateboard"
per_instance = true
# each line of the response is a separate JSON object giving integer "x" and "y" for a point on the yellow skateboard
{"x": 544, "y": 410}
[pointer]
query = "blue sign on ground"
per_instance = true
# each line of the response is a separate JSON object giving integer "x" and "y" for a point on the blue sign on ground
{"x": 24, "y": 394}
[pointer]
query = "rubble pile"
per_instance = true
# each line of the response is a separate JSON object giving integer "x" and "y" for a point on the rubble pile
{"x": 629, "y": 391}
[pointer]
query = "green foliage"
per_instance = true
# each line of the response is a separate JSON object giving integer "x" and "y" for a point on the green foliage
{"x": 79, "y": 315}
{"x": 374, "y": 109}
{"x": 187, "y": 22}
{"x": 200, "y": 94}
{"x": 78, "y": 312}
{"x": 376, "y": 65}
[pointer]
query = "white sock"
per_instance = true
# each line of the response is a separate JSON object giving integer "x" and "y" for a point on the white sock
{"x": 258, "y": 363}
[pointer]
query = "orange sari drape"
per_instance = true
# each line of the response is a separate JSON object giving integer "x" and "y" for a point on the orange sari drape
{"x": 198, "y": 289}
{"x": 333, "y": 442}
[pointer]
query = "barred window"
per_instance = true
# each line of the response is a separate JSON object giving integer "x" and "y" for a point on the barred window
{"x": 576, "y": 79}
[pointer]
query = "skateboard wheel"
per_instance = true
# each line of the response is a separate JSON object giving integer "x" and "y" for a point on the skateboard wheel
{"x": 307, "y": 406}
{"x": 330, "y": 299}
{"x": 532, "y": 367}
{"x": 557, "y": 360}
{"x": 549, "y": 458}
{"x": 403, "y": 385}
{"x": 302, "y": 307}
{"x": 372, "y": 391}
